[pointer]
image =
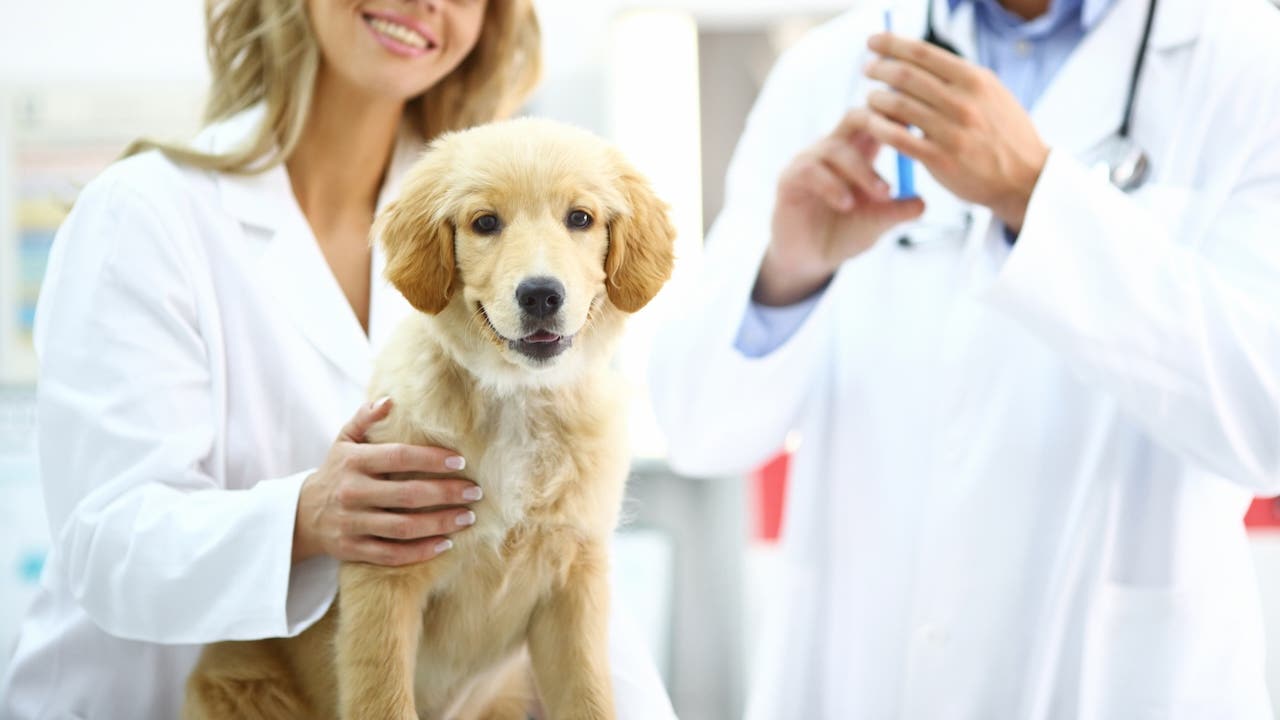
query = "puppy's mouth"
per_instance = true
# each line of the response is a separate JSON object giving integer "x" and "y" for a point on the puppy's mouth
{"x": 541, "y": 344}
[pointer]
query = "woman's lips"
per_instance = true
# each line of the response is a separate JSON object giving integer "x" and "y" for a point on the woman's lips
{"x": 400, "y": 35}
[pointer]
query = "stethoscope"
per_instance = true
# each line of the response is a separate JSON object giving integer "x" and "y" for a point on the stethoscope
{"x": 1126, "y": 164}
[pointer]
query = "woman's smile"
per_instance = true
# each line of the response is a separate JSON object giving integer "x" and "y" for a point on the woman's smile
{"x": 401, "y": 35}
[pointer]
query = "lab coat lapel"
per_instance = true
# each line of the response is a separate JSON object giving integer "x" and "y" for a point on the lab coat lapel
{"x": 291, "y": 265}
{"x": 956, "y": 27}
{"x": 1084, "y": 104}
{"x": 300, "y": 280}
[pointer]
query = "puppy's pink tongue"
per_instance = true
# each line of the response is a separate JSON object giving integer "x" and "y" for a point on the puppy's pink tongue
{"x": 542, "y": 336}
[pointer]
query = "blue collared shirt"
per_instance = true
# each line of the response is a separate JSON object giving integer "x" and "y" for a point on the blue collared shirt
{"x": 1024, "y": 54}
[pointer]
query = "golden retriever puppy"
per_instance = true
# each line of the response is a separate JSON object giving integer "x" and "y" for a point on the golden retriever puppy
{"x": 524, "y": 244}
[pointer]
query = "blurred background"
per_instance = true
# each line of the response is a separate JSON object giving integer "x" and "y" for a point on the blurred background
{"x": 670, "y": 82}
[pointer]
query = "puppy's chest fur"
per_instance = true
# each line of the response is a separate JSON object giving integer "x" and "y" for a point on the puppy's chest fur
{"x": 552, "y": 463}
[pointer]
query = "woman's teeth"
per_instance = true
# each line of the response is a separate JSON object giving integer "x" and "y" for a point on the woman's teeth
{"x": 399, "y": 33}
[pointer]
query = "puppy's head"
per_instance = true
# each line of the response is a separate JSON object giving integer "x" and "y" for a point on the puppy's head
{"x": 529, "y": 234}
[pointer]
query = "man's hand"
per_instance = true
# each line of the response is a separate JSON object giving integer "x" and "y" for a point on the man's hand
{"x": 978, "y": 141}
{"x": 830, "y": 206}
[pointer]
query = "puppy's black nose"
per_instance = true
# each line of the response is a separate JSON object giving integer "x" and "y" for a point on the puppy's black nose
{"x": 540, "y": 296}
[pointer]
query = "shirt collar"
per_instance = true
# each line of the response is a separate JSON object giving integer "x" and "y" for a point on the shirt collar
{"x": 1090, "y": 11}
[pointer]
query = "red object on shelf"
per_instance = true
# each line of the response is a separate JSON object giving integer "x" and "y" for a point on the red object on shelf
{"x": 770, "y": 486}
{"x": 1265, "y": 512}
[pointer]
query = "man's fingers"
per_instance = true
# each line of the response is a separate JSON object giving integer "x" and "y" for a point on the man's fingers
{"x": 848, "y": 162}
{"x": 897, "y": 136}
{"x": 383, "y": 458}
{"x": 865, "y": 144}
{"x": 853, "y": 124}
{"x": 874, "y": 218}
{"x": 366, "y": 417}
{"x": 935, "y": 60}
{"x": 898, "y": 211}
{"x": 814, "y": 176}
{"x": 907, "y": 110}
{"x": 919, "y": 84}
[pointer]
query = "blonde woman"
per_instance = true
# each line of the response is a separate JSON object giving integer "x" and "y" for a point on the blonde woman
{"x": 206, "y": 329}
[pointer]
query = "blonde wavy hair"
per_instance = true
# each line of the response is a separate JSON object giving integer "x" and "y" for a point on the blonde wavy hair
{"x": 264, "y": 51}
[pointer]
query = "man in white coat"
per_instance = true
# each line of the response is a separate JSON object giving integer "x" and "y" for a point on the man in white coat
{"x": 1034, "y": 407}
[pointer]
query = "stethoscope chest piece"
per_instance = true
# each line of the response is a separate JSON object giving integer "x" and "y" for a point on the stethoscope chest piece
{"x": 1123, "y": 163}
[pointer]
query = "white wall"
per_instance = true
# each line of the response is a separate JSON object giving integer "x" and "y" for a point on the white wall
{"x": 92, "y": 41}
{"x": 85, "y": 41}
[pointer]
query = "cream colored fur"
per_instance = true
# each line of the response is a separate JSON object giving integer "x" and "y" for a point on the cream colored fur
{"x": 521, "y": 602}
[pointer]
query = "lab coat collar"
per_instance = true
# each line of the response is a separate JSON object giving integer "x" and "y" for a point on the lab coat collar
{"x": 1084, "y": 104}
{"x": 297, "y": 273}
{"x": 955, "y": 25}
{"x": 257, "y": 199}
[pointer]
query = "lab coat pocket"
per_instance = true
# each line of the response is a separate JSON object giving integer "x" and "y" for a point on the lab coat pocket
{"x": 1156, "y": 653}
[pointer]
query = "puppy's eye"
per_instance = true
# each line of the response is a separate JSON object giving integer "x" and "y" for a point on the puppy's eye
{"x": 579, "y": 219}
{"x": 486, "y": 224}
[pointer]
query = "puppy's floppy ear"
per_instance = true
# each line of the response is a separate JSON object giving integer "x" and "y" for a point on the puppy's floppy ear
{"x": 641, "y": 244}
{"x": 418, "y": 238}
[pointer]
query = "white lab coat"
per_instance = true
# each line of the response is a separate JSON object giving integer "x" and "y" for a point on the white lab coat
{"x": 1021, "y": 473}
{"x": 197, "y": 359}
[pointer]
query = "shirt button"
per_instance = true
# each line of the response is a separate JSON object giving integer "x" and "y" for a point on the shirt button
{"x": 1023, "y": 48}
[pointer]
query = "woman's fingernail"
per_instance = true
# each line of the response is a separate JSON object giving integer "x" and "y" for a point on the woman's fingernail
{"x": 882, "y": 187}
{"x": 380, "y": 402}
{"x": 443, "y": 545}
{"x": 455, "y": 462}
{"x": 466, "y": 518}
{"x": 472, "y": 493}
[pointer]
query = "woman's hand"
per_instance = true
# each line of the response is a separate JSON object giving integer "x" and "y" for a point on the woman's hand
{"x": 830, "y": 206}
{"x": 348, "y": 510}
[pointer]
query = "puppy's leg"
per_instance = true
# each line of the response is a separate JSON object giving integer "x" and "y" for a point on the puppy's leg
{"x": 569, "y": 641}
{"x": 244, "y": 681}
{"x": 507, "y": 695}
{"x": 513, "y": 707}
{"x": 379, "y": 628}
